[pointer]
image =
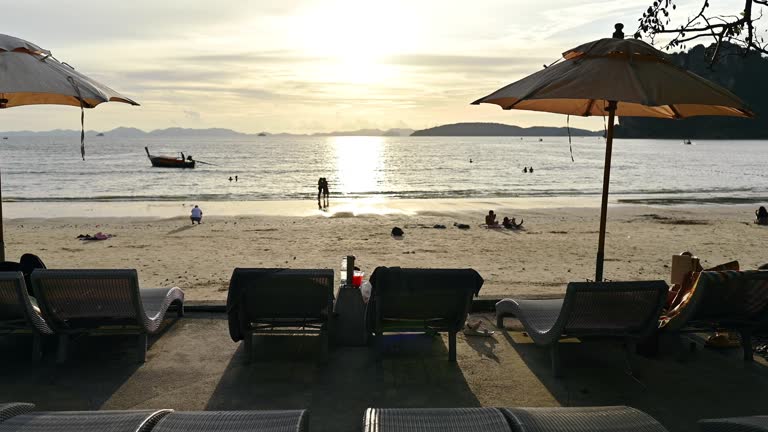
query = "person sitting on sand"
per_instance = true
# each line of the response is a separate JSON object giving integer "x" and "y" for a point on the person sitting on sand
{"x": 762, "y": 216}
{"x": 197, "y": 215}
{"x": 511, "y": 224}
{"x": 490, "y": 219}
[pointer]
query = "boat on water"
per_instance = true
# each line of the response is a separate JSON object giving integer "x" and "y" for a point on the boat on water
{"x": 687, "y": 142}
{"x": 171, "y": 161}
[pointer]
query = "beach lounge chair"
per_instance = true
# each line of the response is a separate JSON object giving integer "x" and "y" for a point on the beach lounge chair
{"x": 417, "y": 300}
{"x": 17, "y": 312}
{"x": 582, "y": 419}
{"x": 434, "y": 419}
{"x": 11, "y": 409}
{"x": 220, "y": 421}
{"x": 724, "y": 300}
{"x": 735, "y": 424}
{"x": 84, "y": 421}
{"x": 627, "y": 311}
{"x": 102, "y": 302}
{"x": 280, "y": 301}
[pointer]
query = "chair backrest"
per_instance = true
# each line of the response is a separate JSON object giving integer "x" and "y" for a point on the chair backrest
{"x": 424, "y": 294}
{"x": 16, "y": 310}
{"x": 736, "y": 296}
{"x": 618, "y": 308}
{"x": 281, "y": 293}
{"x": 88, "y": 298}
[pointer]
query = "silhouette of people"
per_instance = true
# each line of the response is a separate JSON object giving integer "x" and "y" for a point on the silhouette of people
{"x": 230, "y": 179}
{"x": 761, "y": 216}
{"x": 511, "y": 224}
{"x": 235, "y": 179}
{"x": 530, "y": 169}
{"x": 525, "y": 170}
{"x": 197, "y": 215}
{"x": 470, "y": 160}
{"x": 490, "y": 219}
{"x": 323, "y": 193}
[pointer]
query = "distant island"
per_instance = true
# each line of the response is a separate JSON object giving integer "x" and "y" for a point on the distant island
{"x": 130, "y": 132}
{"x": 498, "y": 129}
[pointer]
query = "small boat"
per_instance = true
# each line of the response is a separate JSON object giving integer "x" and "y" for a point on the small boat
{"x": 687, "y": 142}
{"x": 5, "y": 137}
{"x": 99, "y": 134}
{"x": 171, "y": 161}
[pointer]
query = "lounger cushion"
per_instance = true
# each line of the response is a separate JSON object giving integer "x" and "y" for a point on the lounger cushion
{"x": 234, "y": 421}
{"x": 11, "y": 409}
{"x": 735, "y": 424}
{"x": 586, "y": 419}
{"x": 84, "y": 421}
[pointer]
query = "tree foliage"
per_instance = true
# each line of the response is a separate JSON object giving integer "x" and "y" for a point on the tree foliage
{"x": 741, "y": 30}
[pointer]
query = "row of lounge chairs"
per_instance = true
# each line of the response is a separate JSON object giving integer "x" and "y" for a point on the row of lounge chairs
{"x": 21, "y": 417}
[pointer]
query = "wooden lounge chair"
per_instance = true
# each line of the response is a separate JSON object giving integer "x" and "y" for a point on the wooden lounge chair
{"x": 88, "y": 301}
{"x": 628, "y": 311}
{"x": 725, "y": 300}
{"x": 280, "y": 301}
{"x": 434, "y": 419}
{"x": 735, "y": 424}
{"x": 582, "y": 419}
{"x": 84, "y": 421}
{"x": 11, "y": 409}
{"x": 220, "y": 421}
{"x": 17, "y": 313}
{"x": 417, "y": 300}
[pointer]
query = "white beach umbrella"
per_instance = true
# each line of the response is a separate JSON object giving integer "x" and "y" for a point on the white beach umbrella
{"x": 617, "y": 77}
{"x": 30, "y": 75}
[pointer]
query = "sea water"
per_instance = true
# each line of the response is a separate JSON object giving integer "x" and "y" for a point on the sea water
{"x": 287, "y": 168}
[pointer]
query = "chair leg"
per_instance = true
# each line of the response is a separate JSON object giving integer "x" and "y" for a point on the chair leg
{"x": 37, "y": 347}
{"x": 629, "y": 348}
{"x": 142, "y": 348}
{"x": 500, "y": 321}
{"x": 61, "y": 349}
{"x": 324, "y": 344}
{"x": 452, "y": 347}
{"x": 180, "y": 310}
{"x": 554, "y": 352}
{"x": 746, "y": 344}
{"x": 378, "y": 341}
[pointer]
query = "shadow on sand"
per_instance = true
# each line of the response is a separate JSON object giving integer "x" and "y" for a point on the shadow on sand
{"x": 414, "y": 372}
{"x": 676, "y": 392}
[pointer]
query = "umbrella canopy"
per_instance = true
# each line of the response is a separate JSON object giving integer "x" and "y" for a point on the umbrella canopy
{"x": 624, "y": 77}
{"x": 30, "y": 75}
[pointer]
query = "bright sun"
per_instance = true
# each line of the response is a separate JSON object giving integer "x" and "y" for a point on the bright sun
{"x": 354, "y": 37}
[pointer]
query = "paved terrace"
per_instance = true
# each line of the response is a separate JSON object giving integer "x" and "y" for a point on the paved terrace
{"x": 194, "y": 365}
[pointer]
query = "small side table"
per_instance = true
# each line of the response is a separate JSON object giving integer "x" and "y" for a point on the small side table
{"x": 350, "y": 317}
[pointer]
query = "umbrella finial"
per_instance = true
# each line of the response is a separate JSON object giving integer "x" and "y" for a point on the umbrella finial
{"x": 618, "y": 34}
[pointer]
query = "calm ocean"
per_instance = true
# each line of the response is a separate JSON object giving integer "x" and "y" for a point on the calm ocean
{"x": 277, "y": 168}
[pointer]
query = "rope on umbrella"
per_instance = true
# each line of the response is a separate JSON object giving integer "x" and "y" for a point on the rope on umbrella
{"x": 82, "y": 116}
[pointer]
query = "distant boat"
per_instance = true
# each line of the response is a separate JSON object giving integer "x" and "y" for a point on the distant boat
{"x": 170, "y": 161}
{"x": 5, "y": 137}
{"x": 687, "y": 142}
{"x": 99, "y": 134}
{"x": 262, "y": 134}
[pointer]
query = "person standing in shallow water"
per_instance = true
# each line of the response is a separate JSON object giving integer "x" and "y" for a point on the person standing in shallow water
{"x": 326, "y": 193}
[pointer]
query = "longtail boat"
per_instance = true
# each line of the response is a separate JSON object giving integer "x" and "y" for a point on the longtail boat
{"x": 171, "y": 161}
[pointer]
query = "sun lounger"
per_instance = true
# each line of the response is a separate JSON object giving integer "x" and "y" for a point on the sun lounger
{"x": 17, "y": 313}
{"x": 434, "y": 419}
{"x": 583, "y": 419}
{"x": 735, "y": 424}
{"x": 221, "y": 421}
{"x": 418, "y": 300}
{"x": 11, "y": 409}
{"x": 725, "y": 300}
{"x": 102, "y": 301}
{"x": 280, "y": 301}
{"x": 628, "y": 311}
{"x": 84, "y": 421}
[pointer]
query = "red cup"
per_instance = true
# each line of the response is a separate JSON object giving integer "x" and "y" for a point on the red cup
{"x": 357, "y": 278}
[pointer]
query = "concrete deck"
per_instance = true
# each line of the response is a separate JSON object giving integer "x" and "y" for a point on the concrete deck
{"x": 194, "y": 365}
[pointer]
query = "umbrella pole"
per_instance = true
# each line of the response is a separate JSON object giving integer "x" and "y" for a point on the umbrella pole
{"x": 606, "y": 182}
{"x": 2, "y": 237}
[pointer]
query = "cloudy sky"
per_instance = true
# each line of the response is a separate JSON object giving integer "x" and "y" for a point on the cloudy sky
{"x": 309, "y": 66}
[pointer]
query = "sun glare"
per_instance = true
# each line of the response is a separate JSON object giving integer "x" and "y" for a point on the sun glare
{"x": 354, "y": 37}
{"x": 358, "y": 163}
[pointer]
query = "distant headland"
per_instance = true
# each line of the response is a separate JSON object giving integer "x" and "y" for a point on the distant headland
{"x": 498, "y": 129}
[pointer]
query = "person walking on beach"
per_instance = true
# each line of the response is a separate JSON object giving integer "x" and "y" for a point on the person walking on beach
{"x": 320, "y": 192}
{"x": 197, "y": 215}
{"x": 326, "y": 193}
{"x": 235, "y": 179}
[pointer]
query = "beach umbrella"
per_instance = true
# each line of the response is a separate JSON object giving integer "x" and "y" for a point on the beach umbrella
{"x": 617, "y": 77}
{"x": 30, "y": 75}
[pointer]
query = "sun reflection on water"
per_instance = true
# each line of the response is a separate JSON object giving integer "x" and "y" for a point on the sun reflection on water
{"x": 359, "y": 163}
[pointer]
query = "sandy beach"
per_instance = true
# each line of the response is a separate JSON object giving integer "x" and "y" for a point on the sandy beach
{"x": 557, "y": 245}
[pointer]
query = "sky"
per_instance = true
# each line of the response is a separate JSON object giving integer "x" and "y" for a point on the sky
{"x": 309, "y": 66}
